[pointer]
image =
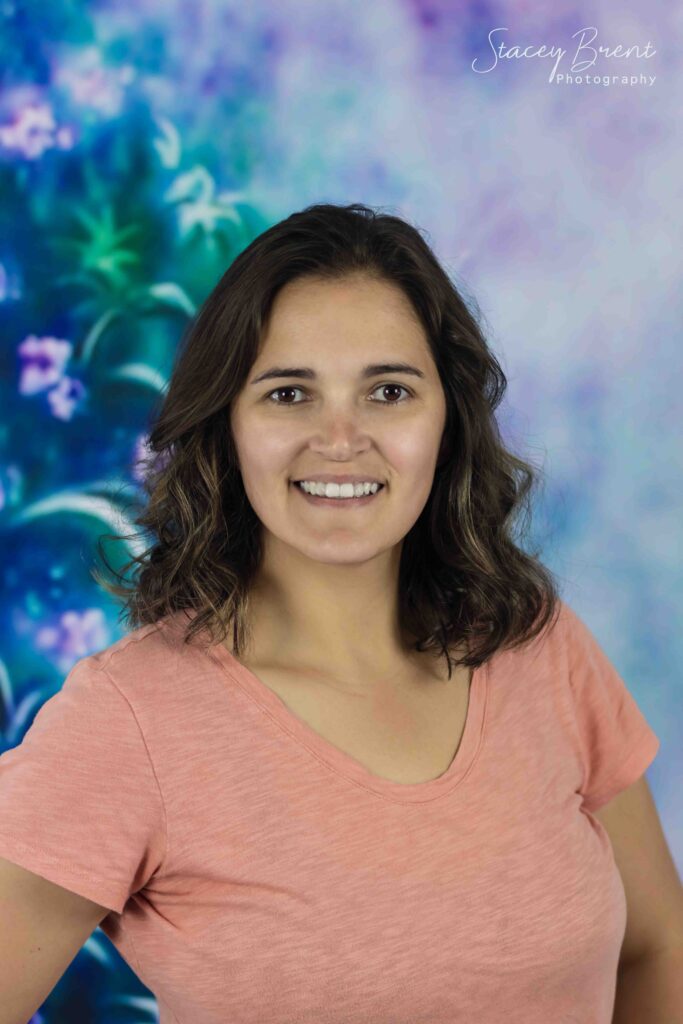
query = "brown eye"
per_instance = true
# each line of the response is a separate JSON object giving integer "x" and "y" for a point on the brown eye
{"x": 279, "y": 391}
{"x": 399, "y": 387}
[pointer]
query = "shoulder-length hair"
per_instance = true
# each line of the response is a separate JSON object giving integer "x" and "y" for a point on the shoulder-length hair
{"x": 463, "y": 578}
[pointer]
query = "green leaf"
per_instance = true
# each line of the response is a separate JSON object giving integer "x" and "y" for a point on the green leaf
{"x": 96, "y": 332}
{"x": 168, "y": 144}
{"x": 170, "y": 294}
{"x": 195, "y": 185}
{"x": 138, "y": 373}
{"x": 68, "y": 502}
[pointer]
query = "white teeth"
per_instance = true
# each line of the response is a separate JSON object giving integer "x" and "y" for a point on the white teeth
{"x": 323, "y": 490}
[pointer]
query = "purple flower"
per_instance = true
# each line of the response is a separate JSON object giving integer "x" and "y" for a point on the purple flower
{"x": 145, "y": 460}
{"x": 65, "y": 397}
{"x": 43, "y": 361}
{"x": 91, "y": 82}
{"x": 31, "y": 132}
{"x": 76, "y": 635}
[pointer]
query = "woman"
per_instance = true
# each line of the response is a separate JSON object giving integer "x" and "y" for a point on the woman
{"x": 342, "y": 766}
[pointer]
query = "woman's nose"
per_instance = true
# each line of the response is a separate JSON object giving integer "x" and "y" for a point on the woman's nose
{"x": 342, "y": 432}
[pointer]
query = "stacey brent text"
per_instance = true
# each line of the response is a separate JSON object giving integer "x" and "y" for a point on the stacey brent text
{"x": 585, "y": 55}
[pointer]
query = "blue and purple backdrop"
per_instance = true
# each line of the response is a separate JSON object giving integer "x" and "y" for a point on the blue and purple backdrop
{"x": 144, "y": 144}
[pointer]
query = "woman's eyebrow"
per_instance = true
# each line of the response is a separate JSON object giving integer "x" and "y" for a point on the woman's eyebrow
{"x": 306, "y": 373}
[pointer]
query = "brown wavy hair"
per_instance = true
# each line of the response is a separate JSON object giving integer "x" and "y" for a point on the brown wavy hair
{"x": 463, "y": 576}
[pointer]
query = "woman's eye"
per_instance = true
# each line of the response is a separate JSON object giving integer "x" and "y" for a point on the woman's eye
{"x": 279, "y": 391}
{"x": 383, "y": 387}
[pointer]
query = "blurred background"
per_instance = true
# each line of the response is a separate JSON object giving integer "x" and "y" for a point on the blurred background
{"x": 144, "y": 144}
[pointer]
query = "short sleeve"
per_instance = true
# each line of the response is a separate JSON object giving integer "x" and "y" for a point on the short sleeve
{"x": 79, "y": 800}
{"x": 616, "y": 741}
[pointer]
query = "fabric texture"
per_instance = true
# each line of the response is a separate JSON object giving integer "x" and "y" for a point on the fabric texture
{"x": 257, "y": 874}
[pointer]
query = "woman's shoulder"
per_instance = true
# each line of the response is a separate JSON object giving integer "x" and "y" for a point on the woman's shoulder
{"x": 142, "y": 657}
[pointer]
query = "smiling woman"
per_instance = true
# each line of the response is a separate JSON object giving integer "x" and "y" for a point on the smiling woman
{"x": 373, "y": 800}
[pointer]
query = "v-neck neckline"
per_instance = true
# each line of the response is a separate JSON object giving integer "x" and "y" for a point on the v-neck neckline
{"x": 345, "y": 764}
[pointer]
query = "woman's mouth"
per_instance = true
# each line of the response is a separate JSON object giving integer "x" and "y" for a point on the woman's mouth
{"x": 340, "y": 503}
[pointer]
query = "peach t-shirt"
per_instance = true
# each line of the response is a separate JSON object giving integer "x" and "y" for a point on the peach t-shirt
{"x": 256, "y": 874}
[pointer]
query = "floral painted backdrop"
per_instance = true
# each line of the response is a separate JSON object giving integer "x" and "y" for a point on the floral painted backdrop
{"x": 143, "y": 145}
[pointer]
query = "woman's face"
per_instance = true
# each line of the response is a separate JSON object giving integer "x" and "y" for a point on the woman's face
{"x": 324, "y": 412}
